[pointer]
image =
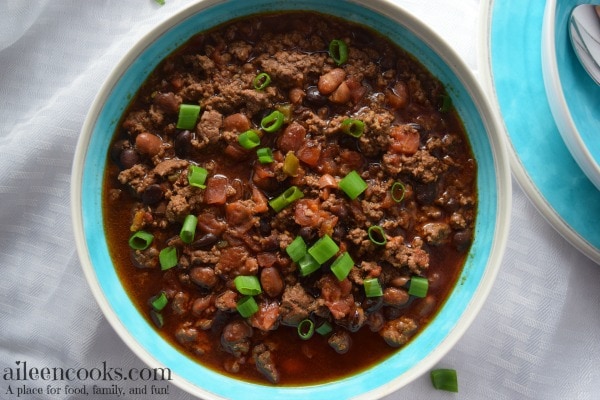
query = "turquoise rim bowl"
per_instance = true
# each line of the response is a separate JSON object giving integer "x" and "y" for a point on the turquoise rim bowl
{"x": 460, "y": 308}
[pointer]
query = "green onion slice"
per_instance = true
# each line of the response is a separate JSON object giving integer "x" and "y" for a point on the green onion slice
{"x": 167, "y": 258}
{"x": 286, "y": 198}
{"x": 446, "y": 103}
{"x": 159, "y": 301}
{"x": 353, "y": 185}
{"x": 323, "y": 249}
{"x": 353, "y": 127}
{"x": 249, "y": 139}
{"x": 418, "y": 286}
{"x": 157, "y": 318}
{"x": 372, "y": 287}
{"x": 307, "y": 265}
{"x": 324, "y": 329}
{"x": 261, "y": 81}
{"x": 377, "y": 235}
{"x": 188, "y": 115}
{"x": 272, "y": 122}
{"x": 306, "y": 329}
{"x": 297, "y": 249}
{"x": 247, "y": 306}
{"x": 188, "y": 230}
{"x": 140, "y": 240}
{"x": 445, "y": 379}
{"x": 248, "y": 285}
{"x": 338, "y": 50}
{"x": 265, "y": 155}
{"x": 342, "y": 265}
{"x": 397, "y": 191}
{"x": 197, "y": 176}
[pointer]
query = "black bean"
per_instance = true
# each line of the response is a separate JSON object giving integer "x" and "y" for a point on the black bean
{"x": 204, "y": 242}
{"x": 462, "y": 240}
{"x": 116, "y": 149}
{"x": 264, "y": 227}
{"x": 153, "y": 194}
{"x": 426, "y": 193}
{"x": 183, "y": 143}
{"x": 128, "y": 158}
{"x": 314, "y": 97}
{"x": 307, "y": 233}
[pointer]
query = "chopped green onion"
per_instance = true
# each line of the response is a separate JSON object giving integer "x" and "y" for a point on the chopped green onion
{"x": 307, "y": 265}
{"x": 372, "y": 287}
{"x": 249, "y": 139}
{"x": 157, "y": 318}
{"x": 261, "y": 81}
{"x": 265, "y": 155}
{"x": 291, "y": 164}
{"x": 306, "y": 328}
{"x": 161, "y": 2}
{"x": 167, "y": 258}
{"x": 297, "y": 249}
{"x": 197, "y": 176}
{"x": 323, "y": 249}
{"x": 397, "y": 191}
{"x": 324, "y": 328}
{"x": 338, "y": 50}
{"x": 188, "y": 115}
{"x": 140, "y": 240}
{"x": 286, "y": 198}
{"x": 159, "y": 301}
{"x": 248, "y": 285}
{"x": 446, "y": 103}
{"x": 353, "y": 127}
{"x": 445, "y": 379}
{"x": 246, "y": 306}
{"x": 272, "y": 122}
{"x": 353, "y": 185}
{"x": 418, "y": 286}
{"x": 377, "y": 235}
{"x": 342, "y": 265}
{"x": 188, "y": 230}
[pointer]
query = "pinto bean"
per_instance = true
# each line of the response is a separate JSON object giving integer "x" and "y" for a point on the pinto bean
{"x": 204, "y": 277}
{"x": 148, "y": 144}
{"x": 330, "y": 81}
{"x": 271, "y": 281}
{"x": 395, "y": 297}
{"x": 341, "y": 95}
{"x": 236, "y": 122}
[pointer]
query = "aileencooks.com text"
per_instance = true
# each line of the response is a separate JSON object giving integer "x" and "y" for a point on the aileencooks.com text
{"x": 21, "y": 371}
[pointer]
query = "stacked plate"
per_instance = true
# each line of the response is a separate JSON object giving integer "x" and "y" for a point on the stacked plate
{"x": 551, "y": 111}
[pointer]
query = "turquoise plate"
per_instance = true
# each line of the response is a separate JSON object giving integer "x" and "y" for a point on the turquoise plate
{"x": 511, "y": 67}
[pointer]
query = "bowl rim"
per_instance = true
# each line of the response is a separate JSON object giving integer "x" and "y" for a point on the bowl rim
{"x": 495, "y": 141}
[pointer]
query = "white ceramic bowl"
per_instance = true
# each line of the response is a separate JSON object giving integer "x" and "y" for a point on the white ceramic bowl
{"x": 573, "y": 96}
{"x": 426, "y": 349}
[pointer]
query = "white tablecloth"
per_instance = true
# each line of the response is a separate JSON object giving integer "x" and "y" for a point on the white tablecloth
{"x": 537, "y": 337}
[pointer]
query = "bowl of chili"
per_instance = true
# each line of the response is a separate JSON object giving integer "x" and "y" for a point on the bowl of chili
{"x": 318, "y": 203}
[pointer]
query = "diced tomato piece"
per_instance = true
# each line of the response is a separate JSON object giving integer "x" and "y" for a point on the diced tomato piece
{"x": 216, "y": 190}
{"x": 405, "y": 140}
{"x": 309, "y": 154}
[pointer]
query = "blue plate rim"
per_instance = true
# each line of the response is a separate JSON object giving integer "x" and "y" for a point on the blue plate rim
{"x": 523, "y": 175}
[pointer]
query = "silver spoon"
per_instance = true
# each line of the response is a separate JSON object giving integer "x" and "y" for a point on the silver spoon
{"x": 584, "y": 31}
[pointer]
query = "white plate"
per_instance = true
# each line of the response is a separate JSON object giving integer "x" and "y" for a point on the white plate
{"x": 511, "y": 70}
{"x": 573, "y": 95}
